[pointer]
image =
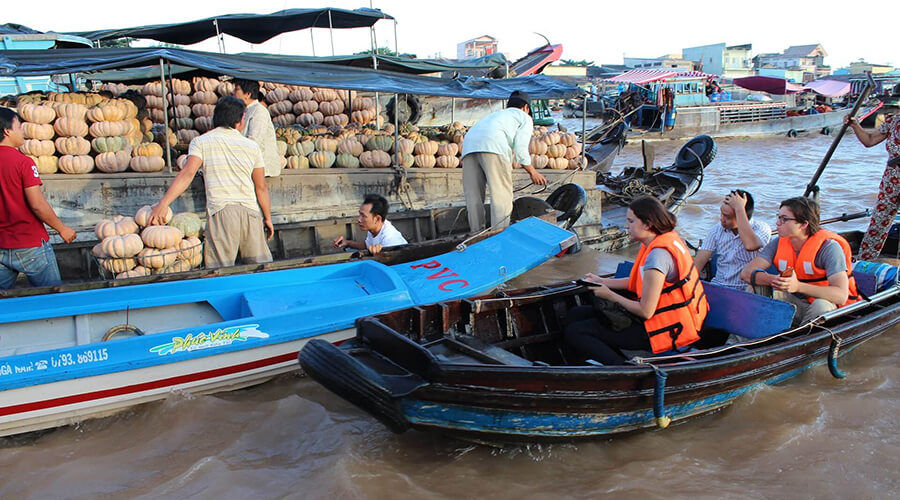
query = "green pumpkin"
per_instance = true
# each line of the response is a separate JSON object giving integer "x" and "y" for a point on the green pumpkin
{"x": 303, "y": 148}
{"x": 346, "y": 160}
{"x": 380, "y": 143}
{"x": 408, "y": 160}
{"x": 188, "y": 222}
{"x": 109, "y": 144}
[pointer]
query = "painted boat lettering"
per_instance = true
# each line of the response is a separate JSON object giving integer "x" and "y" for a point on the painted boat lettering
{"x": 208, "y": 340}
{"x": 63, "y": 360}
{"x": 443, "y": 273}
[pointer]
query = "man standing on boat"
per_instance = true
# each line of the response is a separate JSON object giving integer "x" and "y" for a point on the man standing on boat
{"x": 24, "y": 242}
{"x": 237, "y": 197}
{"x": 489, "y": 150}
{"x": 258, "y": 124}
{"x": 735, "y": 241}
{"x": 380, "y": 232}
{"x": 813, "y": 264}
{"x": 889, "y": 189}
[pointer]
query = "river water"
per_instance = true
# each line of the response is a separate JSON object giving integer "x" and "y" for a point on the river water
{"x": 812, "y": 436}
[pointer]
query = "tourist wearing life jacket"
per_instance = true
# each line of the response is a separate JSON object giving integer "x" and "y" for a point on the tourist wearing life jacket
{"x": 813, "y": 264}
{"x": 669, "y": 303}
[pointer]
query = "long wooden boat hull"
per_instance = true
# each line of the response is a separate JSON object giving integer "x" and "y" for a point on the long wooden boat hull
{"x": 61, "y": 358}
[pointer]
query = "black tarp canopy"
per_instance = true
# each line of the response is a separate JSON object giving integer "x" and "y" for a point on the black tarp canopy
{"x": 253, "y": 28}
{"x": 276, "y": 69}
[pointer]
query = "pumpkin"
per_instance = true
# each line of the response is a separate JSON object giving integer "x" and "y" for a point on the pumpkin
{"x": 380, "y": 143}
{"x": 152, "y": 88}
{"x": 148, "y": 149}
{"x": 113, "y": 162}
{"x": 197, "y": 260}
{"x": 301, "y": 94}
{"x": 72, "y": 164}
{"x": 186, "y": 136}
{"x": 322, "y": 95}
{"x": 179, "y": 86}
{"x": 363, "y": 116}
{"x": 200, "y": 109}
{"x": 36, "y": 113}
{"x": 71, "y": 127}
{"x": 536, "y": 146}
{"x": 179, "y": 100}
{"x": 450, "y": 149}
{"x": 147, "y": 164}
{"x": 106, "y": 112}
{"x": 329, "y": 145}
{"x": 284, "y": 120}
{"x": 137, "y": 272}
{"x": 362, "y": 103}
{"x": 72, "y": 145}
{"x": 117, "y": 266}
{"x": 405, "y": 146}
{"x": 334, "y": 107}
{"x": 277, "y": 94}
{"x": 225, "y": 88}
{"x": 446, "y": 161}
{"x": 109, "y": 144}
{"x": 123, "y": 246}
{"x": 573, "y": 163}
{"x": 308, "y": 119}
{"x": 45, "y": 164}
{"x": 35, "y": 147}
{"x": 336, "y": 120}
{"x": 188, "y": 222}
{"x": 407, "y": 160}
{"x": 556, "y": 151}
{"x": 203, "y": 123}
{"x": 426, "y": 148}
{"x": 161, "y": 236}
{"x": 97, "y": 251}
{"x": 204, "y": 97}
{"x": 301, "y": 107}
{"x": 142, "y": 216}
{"x": 189, "y": 248}
{"x": 154, "y": 102}
{"x": 558, "y": 163}
{"x": 346, "y": 160}
{"x": 425, "y": 161}
{"x": 71, "y": 110}
{"x": 181, "y": 123}
{"x": 539, "y": 161}
{"x": 321, "y": 159}
{"x": 350, "y": 146}
{"x": 295, "y": 161}
{"x": 280, "y": 108}
{"x": 204, "y": 84}
{"x": 302, "y": 148}
{"x": 117, "y": 226}
{"x": 282, "y": 147}
{"x": 39, "y": 131}
{"x": 375, "y": 159}
{"x": 179, "y": 266}
{"x": 109, "y": 129}
{"x": 155, "y": 258}
{"x": 568, "y": 140}
{"x": 551, "y": 138}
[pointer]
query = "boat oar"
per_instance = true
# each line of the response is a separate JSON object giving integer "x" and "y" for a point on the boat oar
{"x": 842, "y": 218}
{"x": 811, "y": 187}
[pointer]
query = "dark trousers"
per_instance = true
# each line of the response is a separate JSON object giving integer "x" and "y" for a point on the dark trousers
{"x": 590, "y": 335}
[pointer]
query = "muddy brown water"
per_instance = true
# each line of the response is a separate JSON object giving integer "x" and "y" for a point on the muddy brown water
{"x": 810, "y": 437}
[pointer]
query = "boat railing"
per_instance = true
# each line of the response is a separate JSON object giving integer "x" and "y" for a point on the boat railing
{"x": 752, "y": 113}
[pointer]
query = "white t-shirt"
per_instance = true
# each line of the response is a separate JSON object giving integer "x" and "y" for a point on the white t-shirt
{"x": 387, "y": 237}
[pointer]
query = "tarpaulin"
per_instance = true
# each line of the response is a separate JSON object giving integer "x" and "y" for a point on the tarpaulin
{"x": 253, "y": 28}
{"x": 777, "y": 86}
{"x": 276, "y": 69}
{"x": 829, "y": 88}
{"x": 642, "y": 76}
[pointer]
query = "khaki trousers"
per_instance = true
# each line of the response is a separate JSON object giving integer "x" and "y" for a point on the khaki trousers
{"x": 495, "y": 172}
{"x": 805, "y": 311}
{"x": 235, "y": 230}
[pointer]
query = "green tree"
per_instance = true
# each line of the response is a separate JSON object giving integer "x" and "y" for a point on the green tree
{"x": 118, "y": 43}
{"x": 572, "y": 62}
{"x": 381, "y": 51}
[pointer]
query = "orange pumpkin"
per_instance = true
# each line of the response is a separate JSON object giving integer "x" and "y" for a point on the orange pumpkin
{"x": 117, "y": 226}
{"x": 161, "y": 236}
{"x": 350, "y": 146}
{"x": 71, "y": 127}
{"x": 375, "y": 159}
{"x": 39, "y": 131}
{"x": 123, "y": 246}
{"x": 35, "y": 147}
{"x": 425, "y": 160}
{"x": 147, "y": 164}
{"x": 45, "y": 164}
{"x": 155, "y": 258}
{"x": 142, "y": 216}
{"x": 329, "y": 145}
{"x": 148, "y": 149}
{"x": 426, "y": 148}
{"x": 446, "y": 161}
{"x": 189, "y": 248}
{"x": 117, "y": 266}
{"x": 539, "y": 161}
{"x": 295, "y": 161}
{"x": 113, "y": 162}
{"x": 72, "y": 164}
{"x": 321, "y": 159}
{"x": 449, "y": 149}
{"x": 71, "y": 110}
{"x": 109, "y": 128}
{"x": 137, "y": 272}
{"x": 36, "y": 113}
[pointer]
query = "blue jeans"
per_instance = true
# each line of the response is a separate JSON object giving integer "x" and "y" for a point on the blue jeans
{"x": 37, "y": 263}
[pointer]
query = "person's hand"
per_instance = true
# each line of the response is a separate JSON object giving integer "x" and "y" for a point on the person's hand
{"x": 270, "y": 229}
{"x": 592, "y": 278}
{"x": 374, "y": 249}
{"x": 849, "y": 120}
{"x": 602, "y": 292}
{"x": 339, "y": 242}
{"x": 736, "y": 201}
{"x": 537, "y": 178}
{"x": 158, "y": 215}
{"x": 67, "y": 234}
{"x": 788, "y": 284}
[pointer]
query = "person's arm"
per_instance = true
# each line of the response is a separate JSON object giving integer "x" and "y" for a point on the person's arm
{"x": 614, "y": 283}
{"x": 702, "y": 258}
{"x": 867, "y": 138}
{"x": 253, "y": 128}
{"x": 341, "y": 242}
{"x": 521, "y": 154}
{"x": 181, "y": 182}
{"x": 749, "y": 239}
{"x": 762, "y": 277}
{"x": 262, "y": 198}
{"x": 831, "y": 258}
{"x": 44, "y": 212}
{"x": 645, "y": 307}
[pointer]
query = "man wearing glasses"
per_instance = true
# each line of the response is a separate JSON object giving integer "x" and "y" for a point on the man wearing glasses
{"x": 813, "y": 264}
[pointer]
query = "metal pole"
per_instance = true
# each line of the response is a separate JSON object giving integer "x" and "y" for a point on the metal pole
{"x": 375, "y": 66}
{"x": 331, "y": 32}
{"x": 162, "y": 76}
{"x": 398, "y": 160}
{"x": 396, "y": 45}
{"x": 507, "y": 69}
{"x": 452, "y": 109}
{"x": 312, "y": 41}
{"x": 583, "y": 132}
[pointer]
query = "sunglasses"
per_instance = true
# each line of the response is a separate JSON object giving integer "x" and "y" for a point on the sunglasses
{"x": 782, "y": 219}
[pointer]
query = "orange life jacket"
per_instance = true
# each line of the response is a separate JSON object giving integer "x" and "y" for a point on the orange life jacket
{"x": 682, "y": 305}
{"x": 804, "y": 263}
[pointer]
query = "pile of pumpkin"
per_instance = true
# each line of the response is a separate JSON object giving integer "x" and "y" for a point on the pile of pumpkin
{"x": 129, "y": 247}
{"x": 556, "y": 150}
{"x": 311, "y": 106}
{"x": 75, "y": 132}
{"x": 357, "y": 146}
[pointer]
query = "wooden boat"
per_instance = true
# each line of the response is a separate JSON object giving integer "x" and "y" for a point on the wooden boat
{"x": 492, "y": 368}
{"x": 69, "y": 356}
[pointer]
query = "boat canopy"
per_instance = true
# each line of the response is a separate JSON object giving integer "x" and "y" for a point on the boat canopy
{"x": 644, "y": 76}
{"x": 768, "y": 84}
{"x": 829, "y": 88}
{"x": 253, "y": 28}
{"x": 279, "y": 69}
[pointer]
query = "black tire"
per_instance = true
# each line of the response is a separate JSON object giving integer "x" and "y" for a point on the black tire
{"x": 410, "y": 109}
{"x": 700, "y": 149}
{"x": 826, "y": 131}
{"x": 570, "y": 199}
{"x": 792, "y": 133}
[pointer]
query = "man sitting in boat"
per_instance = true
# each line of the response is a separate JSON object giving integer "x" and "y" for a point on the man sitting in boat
{"x": 670, "y": 304}
{"x": 735, "y": 241}
{"x": 813, "y": 264}
{"x": 237, "y": 196}
{"x": 380, "y": 232}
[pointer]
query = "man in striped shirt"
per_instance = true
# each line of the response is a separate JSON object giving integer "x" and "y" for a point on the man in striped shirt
{"x": 237, "y": 197}
{"x": 736, "y": 240}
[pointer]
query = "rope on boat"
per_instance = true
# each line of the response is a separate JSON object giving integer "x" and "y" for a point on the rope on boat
{"x": 121, "y": 328}
{"x": 833, "y": 350}
{"x": 659, "y": 397}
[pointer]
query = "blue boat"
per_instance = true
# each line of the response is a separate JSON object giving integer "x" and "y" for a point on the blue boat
{"x": 69, "y": 356}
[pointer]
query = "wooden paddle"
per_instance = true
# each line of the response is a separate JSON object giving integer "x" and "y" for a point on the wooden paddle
{"x": 811, "y": 187}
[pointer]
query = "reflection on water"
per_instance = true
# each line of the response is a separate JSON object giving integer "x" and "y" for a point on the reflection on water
{"x": 812, "y": 436}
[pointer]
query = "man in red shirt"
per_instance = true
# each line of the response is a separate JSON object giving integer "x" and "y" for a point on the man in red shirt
{"x": 24, "y": 243}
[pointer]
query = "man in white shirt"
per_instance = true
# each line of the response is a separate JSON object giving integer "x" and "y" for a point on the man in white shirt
{"x": 380, "y": 232}
{"x": 258, "y": 124}
{"x": 736, "y": 240}
{"x": 489, "y": 150}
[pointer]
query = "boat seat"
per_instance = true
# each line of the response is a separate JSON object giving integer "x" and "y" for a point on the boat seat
{"x": 498, "y": 353}
{"x": 471, "y": 350}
